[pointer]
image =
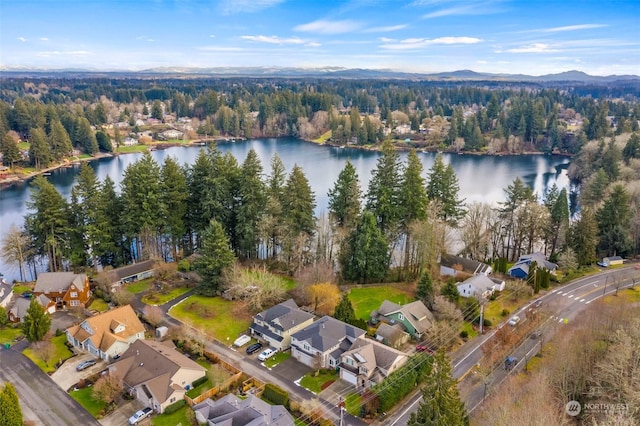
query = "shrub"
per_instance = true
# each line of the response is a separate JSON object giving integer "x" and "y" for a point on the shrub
{"x": 464, "y": 334}
{"x": 199, "y": 381}
{"x": 487, "y": 322}
{"x": 175, "y": 407}
{"x": 184, "y": 265}
{"x": 504, "y": 313}
{"x": 275, "y": 394}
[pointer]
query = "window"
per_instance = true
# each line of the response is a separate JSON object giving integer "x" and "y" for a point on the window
{"x": 306, "y": 347}
{"x": 401, "y": 317}
{"x": 172, "y": 399}
{"x": 349, "y": 361}
{"x": 332, "y": 362}
{"x": 74, "y": 294}
{"x": 74, "y": 303}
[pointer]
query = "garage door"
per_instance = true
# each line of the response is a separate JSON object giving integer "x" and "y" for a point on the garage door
{"x": 348, "y": 376}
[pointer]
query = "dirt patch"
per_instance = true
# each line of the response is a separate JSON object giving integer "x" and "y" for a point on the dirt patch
{"x": 327, "y": 384}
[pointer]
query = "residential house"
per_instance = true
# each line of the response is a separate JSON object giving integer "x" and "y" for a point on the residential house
{"x": 392, "y": 335}
{"x": 611, "y": 260}
{"x": 131, "y": 273}
{"x": 65, "y": 289}
{"x": 278, "y": 323}
{"x": 172, "y": 134}
{"x": 368, "y": 362}
{"x": 521, "y": 267}
{"x": 457, "y": 265}
{"x": 129, "y": 141}
{"x": 414, "y": 317}
{"x": 107, "y": 335}
{"x": 233, "y": 411}
{"x": 480, "y": 286}
{"x": 320, "y": 344}
{"x": 156, "y": 373}
{"x": 6, "y": 292}
{"x": 19, "y": 309}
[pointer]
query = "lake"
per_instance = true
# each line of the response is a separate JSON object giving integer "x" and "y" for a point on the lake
{"x": 482, "y": 178}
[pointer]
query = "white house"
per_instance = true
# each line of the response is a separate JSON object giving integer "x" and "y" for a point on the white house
{"x": 480, "y": 286}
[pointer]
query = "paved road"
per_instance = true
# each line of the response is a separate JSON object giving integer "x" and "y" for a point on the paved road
{"x": 40, "y": 398}
{"x": 564, "y": 303}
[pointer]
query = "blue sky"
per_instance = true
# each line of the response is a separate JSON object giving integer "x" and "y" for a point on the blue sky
{"x": 532, "y": 37}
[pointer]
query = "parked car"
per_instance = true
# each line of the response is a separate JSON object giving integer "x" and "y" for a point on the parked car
{"x": 139, "y": 415}
{"x": 252, "y": 349}
{"x": 86, "y": 364}
{"x": 266, "y": 354}
{"x": 514, "y": 320}
{"x": 537, "y": 303}
{"x": 242, "y": 340}
{"x": 510, "y": 362}
{"x": 422, "y": 347}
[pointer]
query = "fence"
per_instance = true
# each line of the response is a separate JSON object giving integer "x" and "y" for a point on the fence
{"x": 213, "y": 391}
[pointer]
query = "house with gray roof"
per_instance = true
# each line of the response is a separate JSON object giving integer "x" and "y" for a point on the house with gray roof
{"x": 480, "y": 286}
{"x": 368, "y": 362}
{"x": 276, "y": 324}
{"x": 65, "y": 289}
{"x": 156, "y": 373}
{"x": 392, "y": 335}
{"x": 132, "y": 273}
{"x": 414, "y": 317}
{"x": 19, "y": 309}
{"x": 233, "y": 411}
{"x": 521, "y": 267}
{"x": 457, "y": 265}
{"x": 321, "y": 344}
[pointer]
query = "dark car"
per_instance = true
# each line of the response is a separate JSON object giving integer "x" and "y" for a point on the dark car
{"x": 254, "y": 348}
{"x": 537, "y": 303}
{"x": 86, "y": 364}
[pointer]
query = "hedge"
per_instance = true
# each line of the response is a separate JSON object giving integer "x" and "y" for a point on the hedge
{"x": 199, "y": 381}
{"x": 275, "y": 394}
{"x": 175, "y": 407}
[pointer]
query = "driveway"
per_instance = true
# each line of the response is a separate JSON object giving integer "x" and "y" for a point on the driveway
{"x": 40, "y": 399}
{"x": 61, "y": 320}
{"x": 120, "y": 417}
{"x": 66, "y": 376}
{"x": 290, "y": 369}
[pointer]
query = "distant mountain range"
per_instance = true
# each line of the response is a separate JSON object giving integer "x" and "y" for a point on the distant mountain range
{"x": 324, "y": 72}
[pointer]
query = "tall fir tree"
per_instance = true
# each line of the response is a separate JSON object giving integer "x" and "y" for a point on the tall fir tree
{"x": 10, "y": 411}
{"x": 364, "y": 255}
{"x": 36, "y": 322}
{"x": 441, "y": 404}
{"x": 215, "y": 256}
{"x": 443, "y": 188}
{"x": 383, "y": 191}
{"x": 344, "y": 197}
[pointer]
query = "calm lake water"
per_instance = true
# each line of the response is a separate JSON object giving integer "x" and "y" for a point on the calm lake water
{"x": 482, "y": 178}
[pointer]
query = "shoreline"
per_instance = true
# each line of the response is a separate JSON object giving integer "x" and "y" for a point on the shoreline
{"x": 15, "y": 179}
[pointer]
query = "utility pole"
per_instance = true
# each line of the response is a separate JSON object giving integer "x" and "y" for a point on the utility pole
{"x": 605, "y": 286}
{"x": 481, "y": 316}
{"x": 341, "y": 407}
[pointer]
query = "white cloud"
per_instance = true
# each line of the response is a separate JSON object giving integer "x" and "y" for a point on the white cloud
{"x": 387, "y": 39}
{"x": 388, "y": 29}
{"x": 322, "y": 26}
{"x": 417, "y": 43}
{"x": 230, "y": 7}
{"x": 273, "y": 39}
{"x": 44, "y": 39}
{"x": 470, "y": 8}
{"x": 572, "y": 28}
{"x": 22, "y": 39}
{"x": 212, "y": 36}
{"x": 533, "y": 48}
{"x": 313, "y": 44}
{"x": 74, "y": 53}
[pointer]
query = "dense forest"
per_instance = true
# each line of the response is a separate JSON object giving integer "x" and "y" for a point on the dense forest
{"x": 394, "y": 229}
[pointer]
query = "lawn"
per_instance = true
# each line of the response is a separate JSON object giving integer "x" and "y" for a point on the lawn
{"x": 183, "y": 416}
{"x": 323, "y": 137}
{"x": 132, "y": 148}
{"x": 24, "y": 146}
{"x": 353, "y": 402}
{"x": 314, "y": 383}
{"x": 277, "y": 359}
{"x": 9, "y": 334}
{"x": 193, "y": 392}
{"x": 99, "y": 305}
{"x": 471, "y": 333}
{"x": 223, "y": 319}
{"x": 164, "y": 296}
{"x": 85, "y": 398}
{"x": 61, "y": 352}
{"x": 19, "y": 289}
{"x": 493, "y": 309}
{"x": 367, "y": 299}
{"x": 139, "y": 286}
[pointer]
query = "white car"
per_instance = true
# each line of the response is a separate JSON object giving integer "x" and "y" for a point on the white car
{"x": 514, "y": 321}
{"x": 266, "y": 354}
{"x": 139, "y": 415}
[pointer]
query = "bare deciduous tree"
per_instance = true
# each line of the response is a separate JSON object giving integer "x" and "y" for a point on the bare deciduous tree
{"x": 107, "y": 388}
{"x": 153, "y": 315}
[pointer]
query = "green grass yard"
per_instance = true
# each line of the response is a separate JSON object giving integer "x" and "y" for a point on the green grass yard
{"x": 353, "y": 402}
{"x": 314, "y": 383}
{"x": 277, "y": 359}
{"x": 85, "y": 398}
{"x": 164, "y": 296}
{"x": 9, "y": 334}
{"x": 139, "y": 286}
{"x": 99, "y": 305}
{"x": 493, "y": 309}
{"x": 61, "y": 353}
{"x": 183, "y": 416}
{"x": 132, "y": 148}
{"x": 223, "y": 319}
{"x": 367, "y": 299}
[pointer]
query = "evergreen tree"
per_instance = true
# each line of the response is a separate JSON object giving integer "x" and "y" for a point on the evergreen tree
{"x": 450, "y": 291}
{"x": 59, "y": 141}
{"x": 583, "y": 237}
{"x": 441, "y": 404}
{"x": 84, "y": 137}
{"x": 251, "y": 207}
{"x": 104, "y": 141}
{"x": 413, "y": 201}
{"x": 425, "y": 290}
{"x": 614, "y": 222}
{"x": 156, "y": 110}
{"x": 114, "y": 248}
{"x": 9, "y": 149}
{"x": 36, "y": 322}
{"x": 344, "y": 310}
{"x": 174, "y": 197}
{"x": 215, "y": 255}
{"x": 10, "y": 411}
{"x": 443, "y": 187}
{"x": 364, "y": 256}
{"x": 39, "y": 149}
{"x": 632, "y": 148}
{"x": 272, "y": 225}
{"x": 86, "y": 231}
{"x": 383, "y": 191}
{"x": 344, "y": 197}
